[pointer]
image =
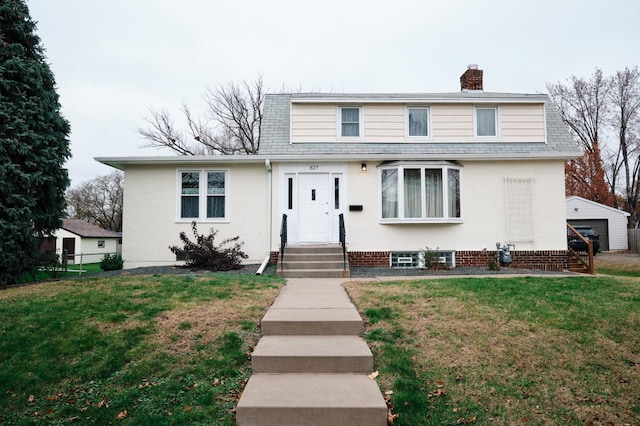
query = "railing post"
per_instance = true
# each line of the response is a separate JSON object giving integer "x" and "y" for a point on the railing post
{"x": 343, "y": 240}
{"x": 592, "y": 269}
{"x": 283, "y": 240}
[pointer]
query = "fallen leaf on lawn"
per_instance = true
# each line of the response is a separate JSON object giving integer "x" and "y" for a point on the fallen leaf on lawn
{"x": 389, "y": 392}
{"x": 187, "y": 408}
{"x": 32, "y": 398}
{"x": 103, "y": 403}
{"x": 52, "y": 398}
{"x": 216, "y": 382}
{"x": 391, "y": 417}
{"x": 122, "y": 415}
{"x": 373, "y": 375}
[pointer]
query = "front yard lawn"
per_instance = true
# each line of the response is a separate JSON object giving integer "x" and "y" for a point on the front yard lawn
{"x": 142, "y": 349}
{"x": 525, "y": 350}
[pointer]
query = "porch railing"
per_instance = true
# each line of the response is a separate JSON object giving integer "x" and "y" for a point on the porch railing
{"x": 283, "y": 240}
{"x": 343, "y": 239}
{"x": 585, "y": 258}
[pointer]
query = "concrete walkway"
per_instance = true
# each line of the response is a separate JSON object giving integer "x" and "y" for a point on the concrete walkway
{"x": 311, "y": 365}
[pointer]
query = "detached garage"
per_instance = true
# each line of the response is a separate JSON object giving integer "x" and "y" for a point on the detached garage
{"x": 610, "y": 223}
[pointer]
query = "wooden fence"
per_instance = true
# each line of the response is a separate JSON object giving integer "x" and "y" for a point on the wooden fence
{"x": 634, "y": 240}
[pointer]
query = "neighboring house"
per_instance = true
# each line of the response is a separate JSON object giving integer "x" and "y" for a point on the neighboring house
{"x": 609, "y": 222}
{"x": 83, "y": 242}
{"x": 456, "y": 172}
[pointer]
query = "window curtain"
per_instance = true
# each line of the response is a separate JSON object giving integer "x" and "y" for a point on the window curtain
{"x": 350, "y": 122}
{"x": 433, "y": 192}
{"x": 390, "y": 193}
{"x": 412, "y": 193}
{"x": 453, "y": 180}
{"x": 486, "y": 121}
{"x": 418, "y": 122}
{"x": 215, "y": 194}
{"x": 189, "y": 201}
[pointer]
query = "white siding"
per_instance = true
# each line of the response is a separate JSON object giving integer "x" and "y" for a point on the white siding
{"x": 579, "y": 208}
{"x": 386, "y": 123}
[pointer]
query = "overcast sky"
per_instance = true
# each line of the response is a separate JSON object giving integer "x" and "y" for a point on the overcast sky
{"x": 113, "y": 60}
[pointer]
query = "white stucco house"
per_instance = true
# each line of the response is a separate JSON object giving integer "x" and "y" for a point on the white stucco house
{"x": 609, "y": 222}
{"x": 453, "y": 171}
{"x": 83, "y": 242}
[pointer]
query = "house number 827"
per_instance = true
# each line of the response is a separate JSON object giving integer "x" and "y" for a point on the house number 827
{"x": 313, "y": 167}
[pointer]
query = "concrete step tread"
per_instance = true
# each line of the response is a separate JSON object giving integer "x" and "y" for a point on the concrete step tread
{"x": 312, "y": 354}
{"x": 312, "y": 346}
{"x": 326, "y": 391}
{"x": 343, "y": 321}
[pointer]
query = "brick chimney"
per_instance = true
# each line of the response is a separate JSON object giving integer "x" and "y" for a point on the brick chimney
{"x": 471, "y": 79}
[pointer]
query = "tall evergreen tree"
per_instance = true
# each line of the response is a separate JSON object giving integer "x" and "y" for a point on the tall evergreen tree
{"x": 33, "y": 144}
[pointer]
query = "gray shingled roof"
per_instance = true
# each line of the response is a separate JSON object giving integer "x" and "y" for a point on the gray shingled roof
{"x": 88, "y": 230}
{"x": 275, "y": 137}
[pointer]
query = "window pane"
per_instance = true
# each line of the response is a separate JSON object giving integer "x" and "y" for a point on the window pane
{"x": 389, "y": 193}
{"x": 215, "y": 206}
{"x": 189, "y": 207}
{"x": 350, "y": 121}
{"x": 418, "y": 122}
{"x": 190, "y": 183}
{"x": 453, "y": 178}
{"x": 215, "y": 183}
{"x": 433, "y": 192}
{"x": 412, "y": 193}
{"x": 336, "y": 193}
{"x": 486, "y": 121}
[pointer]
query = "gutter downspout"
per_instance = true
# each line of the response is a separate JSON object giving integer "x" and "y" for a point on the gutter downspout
{"x": 267, "y": 165}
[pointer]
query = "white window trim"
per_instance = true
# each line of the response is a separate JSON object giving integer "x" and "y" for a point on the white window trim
{"x": 429, "y": 135}
{"x": 202, "y": 196}
{"x": 445, "y": 182}
{"x": 360, "y": 108}
{"x": 475, "y": 123}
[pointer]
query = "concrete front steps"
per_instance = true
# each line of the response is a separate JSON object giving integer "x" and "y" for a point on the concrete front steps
{"x": 313, "y": 261}
{"x": 311, "y": 365}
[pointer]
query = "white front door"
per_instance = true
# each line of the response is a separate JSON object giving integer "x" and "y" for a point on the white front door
{"x": 314, "y": 207}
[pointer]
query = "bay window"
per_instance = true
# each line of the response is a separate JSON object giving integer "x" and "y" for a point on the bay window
{"x": 202, "y": 194}
{"x": 420, "y": 192}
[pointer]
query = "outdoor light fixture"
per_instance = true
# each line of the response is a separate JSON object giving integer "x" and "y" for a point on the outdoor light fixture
{"x": 363, "y": 167}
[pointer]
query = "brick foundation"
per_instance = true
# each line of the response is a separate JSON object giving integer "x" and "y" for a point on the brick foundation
{"x": 369, "y": 259}
{"x": 545, "y": 260}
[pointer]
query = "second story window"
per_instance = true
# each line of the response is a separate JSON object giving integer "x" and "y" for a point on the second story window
{"x": 418, "y": 122}
{"x": 486, "y": 122}
{"x": 350, "y": 122}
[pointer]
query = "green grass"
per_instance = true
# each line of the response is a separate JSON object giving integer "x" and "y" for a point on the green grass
{"x": 94, "y": 349}
{"x": 506, "y": 351}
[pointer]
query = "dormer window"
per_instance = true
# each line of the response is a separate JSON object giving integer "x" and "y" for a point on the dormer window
{"x": 418, "y": 122}
{"x": 486, "y": 122}
{"x": 350, "y": 122}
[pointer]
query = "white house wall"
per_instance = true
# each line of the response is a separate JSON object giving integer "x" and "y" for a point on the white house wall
{"x": 483, "y": 198}
{"x": 151, "y": 224}
{"x": 86, "y": 249}
{"x": 580, "y": 209}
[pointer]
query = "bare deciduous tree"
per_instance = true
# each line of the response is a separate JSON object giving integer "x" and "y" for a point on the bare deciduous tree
{"x": 232, "y": 124}
{"x": 584, "y": 106}
{"x": 98, "y": 201}
{"x": 625, "y": 100}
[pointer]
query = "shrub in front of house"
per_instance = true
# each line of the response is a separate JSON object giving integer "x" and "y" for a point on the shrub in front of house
{"x": 204, "y": 253}
{"x": 111, "y": 262}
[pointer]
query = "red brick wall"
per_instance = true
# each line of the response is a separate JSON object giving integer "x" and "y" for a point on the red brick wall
{"x": 369, "y": 259}
{"x": 547, "y": 260}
